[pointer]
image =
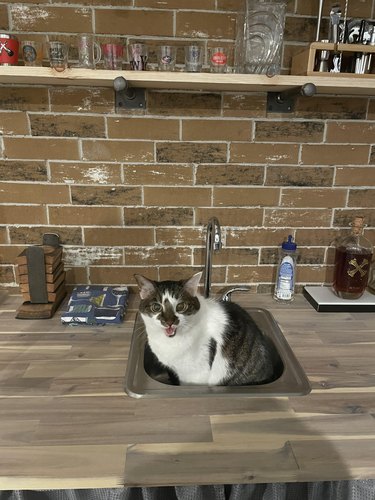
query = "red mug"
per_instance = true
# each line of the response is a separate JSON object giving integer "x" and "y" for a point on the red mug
{"x": 9, "y": 46}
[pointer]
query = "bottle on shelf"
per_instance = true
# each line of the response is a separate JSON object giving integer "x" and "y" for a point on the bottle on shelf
{"x": 285, "y": 280}
{"x": 352, "y": 262}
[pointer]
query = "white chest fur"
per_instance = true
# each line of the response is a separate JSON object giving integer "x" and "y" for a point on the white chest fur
{"x": 188, "y": 352}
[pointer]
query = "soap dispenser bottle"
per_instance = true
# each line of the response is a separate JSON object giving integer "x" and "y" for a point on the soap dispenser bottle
{"x": 352, "y": 263}
{"x": 284, "y": 290}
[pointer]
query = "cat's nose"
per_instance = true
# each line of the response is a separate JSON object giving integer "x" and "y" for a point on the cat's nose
{"x": 172, "y": 321}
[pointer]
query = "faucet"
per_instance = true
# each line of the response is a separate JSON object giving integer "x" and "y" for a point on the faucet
{"x": 213, "y": 244}
{"x": 227, "y": 295}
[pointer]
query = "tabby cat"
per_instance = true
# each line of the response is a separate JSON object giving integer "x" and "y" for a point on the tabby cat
{"x": 203, "y": 341}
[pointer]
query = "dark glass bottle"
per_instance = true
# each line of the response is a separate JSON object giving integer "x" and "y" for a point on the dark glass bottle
{"x": 352, "y": 263}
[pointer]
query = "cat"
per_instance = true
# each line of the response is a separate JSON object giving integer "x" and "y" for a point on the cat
{"x": 203, "y": 341}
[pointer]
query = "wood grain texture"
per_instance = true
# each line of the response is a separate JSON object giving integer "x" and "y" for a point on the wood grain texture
{"x": 235, "y": 82}
{"x": 65, "y": 421}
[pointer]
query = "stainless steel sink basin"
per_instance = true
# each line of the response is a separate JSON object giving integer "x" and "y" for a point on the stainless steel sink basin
{"x": 145, "y": 379}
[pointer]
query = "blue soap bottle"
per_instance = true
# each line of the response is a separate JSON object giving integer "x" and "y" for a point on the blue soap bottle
{"x": 286, "y": 271}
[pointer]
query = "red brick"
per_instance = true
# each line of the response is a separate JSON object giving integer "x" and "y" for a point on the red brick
{"x": 313, "y": 197}
{"x": 231, "y": 175}
{"x": 348, "y": 131}
{"x": 41, "y": 148}
{"x": 13, "y": 123}
{"x": 129, "y": 151}
{"x": 329, "y": 154}
{"x": 126, "y": 237}
{"x": 51, "y": 19}
{"x": 205, "y": 25}
{"x": 242, "y": 196}
{"x": 159, "y": 216}
{"x": 216, "y": 130}
{"x": 278, "y": 217}
{"x": 178, "y": 196}
{"x": 33, "y": 235}
{"x": 355, "y": 176}
{"x": 32, "y": 193}
{"x": 182, "y": 236}
{"x": 166, "y": 175}
{"x": 85, "y": 216}
{"x": 134, "y": 21}
{"x": 85, "y": 173}
{"x": 13, "y": 170}
{"x": 255, "y": 237}
{"x": 251, "y": 274}
{"x": 158, "y": 256}
{"x": 142, "y": 128}
{"x": 24, "y": 98}
{"x": 21, "y": 214}
{"x": 81, "y": 100}
{"x": 263, "y": 153}
{"x": 232, "y": 216}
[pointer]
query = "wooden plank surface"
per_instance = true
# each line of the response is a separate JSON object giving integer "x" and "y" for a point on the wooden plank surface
{"x": 179, "y": 80}
{"x": 65, "y": 421}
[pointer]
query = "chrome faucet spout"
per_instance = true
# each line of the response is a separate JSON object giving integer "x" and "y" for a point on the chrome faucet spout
{"x": 213, "y": 244}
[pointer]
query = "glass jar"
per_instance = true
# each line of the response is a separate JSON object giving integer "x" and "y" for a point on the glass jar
{"x": 352, "y": 263}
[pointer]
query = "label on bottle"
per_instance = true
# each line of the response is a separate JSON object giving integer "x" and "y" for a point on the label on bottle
{"x": 285, "y": 282}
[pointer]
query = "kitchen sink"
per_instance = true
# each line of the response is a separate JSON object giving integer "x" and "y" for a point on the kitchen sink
{"x": 146, "y": 378}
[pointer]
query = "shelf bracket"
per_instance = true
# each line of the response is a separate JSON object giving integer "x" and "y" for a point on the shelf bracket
{"x": 127, "y": 97}
{"x": 283, "y": 102}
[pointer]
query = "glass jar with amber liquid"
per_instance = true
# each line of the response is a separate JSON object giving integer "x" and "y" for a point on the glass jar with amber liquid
{"x": 352, "y": 263}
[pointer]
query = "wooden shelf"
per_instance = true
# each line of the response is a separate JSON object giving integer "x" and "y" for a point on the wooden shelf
{"x": 334, "y": 84}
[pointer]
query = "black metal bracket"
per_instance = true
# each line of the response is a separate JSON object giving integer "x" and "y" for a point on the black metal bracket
{"x": 283, "y": 102}
{"x": 127, "y": 97}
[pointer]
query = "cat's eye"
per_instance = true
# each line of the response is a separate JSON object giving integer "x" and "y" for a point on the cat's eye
{"x": 181, "y": 307}
{"x": 155, "y": 307}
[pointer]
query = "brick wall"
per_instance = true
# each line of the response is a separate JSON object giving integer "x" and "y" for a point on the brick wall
{"x": 133, "y": 192}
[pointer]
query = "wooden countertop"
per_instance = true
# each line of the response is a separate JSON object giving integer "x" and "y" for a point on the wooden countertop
{"x": 65, "y": 421}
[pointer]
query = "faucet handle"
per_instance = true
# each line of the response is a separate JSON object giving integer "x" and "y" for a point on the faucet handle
{"x": 226, "y": 297}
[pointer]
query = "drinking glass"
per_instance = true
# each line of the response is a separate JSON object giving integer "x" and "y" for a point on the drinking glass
{"x": 89, "y": 52}
{"x": 218, "y": 60}
{"x": 58, "y": 55}
{"x": 112, "y": 55}
{"x": 193, "y": 58}
{"x": 138, "y": 56}
{"x": 32, "y": 53}
{"x": 166, "y": 57}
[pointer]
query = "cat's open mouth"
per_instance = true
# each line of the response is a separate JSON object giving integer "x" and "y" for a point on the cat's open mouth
{"x": 170, "y": 331}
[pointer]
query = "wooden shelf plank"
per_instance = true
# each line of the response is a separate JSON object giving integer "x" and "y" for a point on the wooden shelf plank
{"x": 333, "y": 85}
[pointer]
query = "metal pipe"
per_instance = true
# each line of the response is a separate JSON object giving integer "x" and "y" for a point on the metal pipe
{"x": 213, "y": 244}
{"x": 319, "y": 20}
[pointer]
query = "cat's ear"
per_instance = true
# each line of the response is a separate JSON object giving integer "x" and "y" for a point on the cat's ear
{"x": 191, "y": 285}
{"x": 146, "y": 286}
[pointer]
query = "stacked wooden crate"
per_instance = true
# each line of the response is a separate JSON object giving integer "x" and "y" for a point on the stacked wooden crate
{"x": 41, "y": 278}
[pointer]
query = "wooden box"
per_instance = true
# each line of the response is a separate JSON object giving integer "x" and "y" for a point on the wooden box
{"x": 305, "y": 62}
